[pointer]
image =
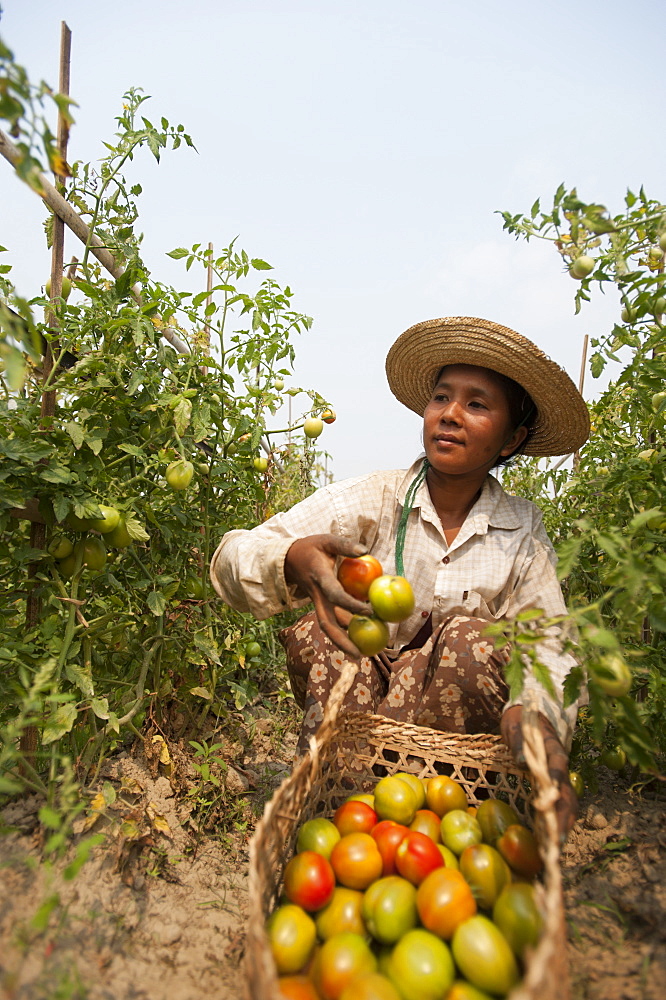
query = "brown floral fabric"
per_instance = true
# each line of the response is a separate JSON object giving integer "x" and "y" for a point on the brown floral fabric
{"x": 453, "y": 682}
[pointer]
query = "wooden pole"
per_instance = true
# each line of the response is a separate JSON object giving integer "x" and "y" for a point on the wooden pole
{"x": 28, "y": 741}
{"x": 209, "y": 298}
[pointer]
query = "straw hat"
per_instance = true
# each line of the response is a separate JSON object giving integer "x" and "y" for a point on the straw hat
{"x": 412, "y": 364}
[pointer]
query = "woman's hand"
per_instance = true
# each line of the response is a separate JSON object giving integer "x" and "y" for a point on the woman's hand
{"x": 566, "y": 807}
{"x": 310, "y": 564}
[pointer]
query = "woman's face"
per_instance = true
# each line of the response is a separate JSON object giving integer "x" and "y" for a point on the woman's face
{"x": 467, "y": 424}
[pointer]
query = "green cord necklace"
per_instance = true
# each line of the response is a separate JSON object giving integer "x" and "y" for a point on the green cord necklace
{"x": 406, "y": 511}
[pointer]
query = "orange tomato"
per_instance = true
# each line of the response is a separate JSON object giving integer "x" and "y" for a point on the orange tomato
{"x": 356, "y": 860}
{"x": 340, "y": 960}
{"x": 342, "y": 913}
{"x": 426, "y": 821}
{"x": 388, "y": 834}
{"x": 445, "y": 794}
{"x": 444, "y": 900}
{"x": 354, "y": 817}
{"x": 297, "y": 988}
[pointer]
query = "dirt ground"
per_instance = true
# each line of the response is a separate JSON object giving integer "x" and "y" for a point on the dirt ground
{"x": 157, "y": 911}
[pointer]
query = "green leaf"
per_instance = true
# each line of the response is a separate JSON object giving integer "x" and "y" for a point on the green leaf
{"x": 201, "y": 692}
{"x": 182, "y": 414}
{"x": 56, "y": 473}
{"x": 40, "y": 921}
{"x": 567, "y": 556}
{"x": 59, "y": 723}
{"x": 83, "y": 852}
{"x": 100, "y": 707}
{"x": 136, "y": 530}
{"x": 81, "y": 678}
{"x": 50, "y": 818}
{"x": 157, "y": 602}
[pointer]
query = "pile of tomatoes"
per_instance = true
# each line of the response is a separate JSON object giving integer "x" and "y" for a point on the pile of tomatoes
{"x": 391, "y": 599}
{"x": 408, "y": 894}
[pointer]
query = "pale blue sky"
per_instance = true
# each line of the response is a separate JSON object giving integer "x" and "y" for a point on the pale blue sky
{"x": 363, "y": 149}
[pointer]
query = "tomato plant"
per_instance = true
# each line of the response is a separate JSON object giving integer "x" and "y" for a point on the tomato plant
{"x": 356, "y": 574}
{"x": 392, "y": 598}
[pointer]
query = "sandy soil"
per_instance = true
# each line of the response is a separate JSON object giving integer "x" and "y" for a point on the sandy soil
{"x": 157, "y": 911}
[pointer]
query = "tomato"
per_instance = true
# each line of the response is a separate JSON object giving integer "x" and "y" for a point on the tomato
{"x": 426, "y": 821}
{"x": 445, "y": 794}
{"x": 355, "y": 817}
{"x": 194, "y": 588}
{"x": 67, "y": 566}
{"x": 296, "y": 988}
{"x": 516, "y": 914}
{"x": 363, "y": 797}
{"x": 388, "y": 834}
{"x": 416, "y": 784}
{"x": 486, "y": 872}
{"x": 416, "y": 856}
{"x": 77, "y": 523}
{"x": 152, "y": 428}
{"x": 369, "y": 635}
{"x": 462, "y": 990}
{"x": 659, "y": 398}
{"x": 483, "y": 955}
{"x": 662, "y": 242}
{"x": 389, "y": 909}
{"x": 60, "y": 547}
{"x": 309, "y": 881}
{"x": 357, "y": 574}
{"x": 340, "y": 960}
{"x": 66, "y": 287}
{"x": 459, "y": 830}
{"x": 313, "y": 427}
{"x": 494, "y": 816}
{"x": 93, "y": 553}
{"x": 582, "y": 266}
{"x": 373, "y": 986}
{"x": 450, "y": 860}
{"x": 328, "y": 416}
{"x": 443, "y": 900}
{"x": 356, "y": 860}
{"x": 252, "y": 649}
{"x": 260, "y": 463}
{"x": 120, "y": 537}
{"x": 179, "y": 474}
{"x": 107, "y": 522}
{"x": 392, "y": 598}
{"x": 577, "y": 783}
{"x": 231, "y": 448}
{"x": 292, "y": 936}
{"x": 614, "y": 758}
{"x": 395, "y": 799}
{"x": 421, "y": 966}
{"x": 318, "y": 835}
{"x": 612, "y": 675}
{"x": 519, "y": 848}
{"x": 342, "y": 913}
{"x": 278, "y": 384}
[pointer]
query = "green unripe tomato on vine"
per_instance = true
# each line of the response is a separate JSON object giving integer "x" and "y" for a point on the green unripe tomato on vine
{"x": 66, "y": 287}
{"x": 109, "y": 520}
{"x": 658, "y": 400}
{"x": 60, "y": 547}
{"x": 252, "y": 650}
{"x": 582, "y": 266}
{"x": 260, "y": 463}
{"x": 179, "y": 474}
{"x": 93, "y": 553}
{"x": 662, "y": 242}
{"x": 313, "y": 427}
{"x": 278, "y": 385}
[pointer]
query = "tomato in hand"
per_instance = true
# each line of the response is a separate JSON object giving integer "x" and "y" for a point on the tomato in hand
{"x": 309, "y": 880}
{"x": 483, "y": 955}
{"x": 291, "y": 936}
{"x": 389, "y": 908}
{"x": 369, "y": 635}
{"x": 421, "y": 966}
{"x": 318, "y": 835}
{"x": 355, "y": 817}
{"x": 392, "y": 598}
{"x": 519, "y": 848}
{"x": 340, "y": 960}
{"x": 356, "y": 575}
{"x": 388, "y": 834}
{"x": 486, "y": 872}
{"x": 416, "y": 856}
{"x": 342, "y": 913}
{"x": 356, "y": 860}
{"x": 444, "y": 900}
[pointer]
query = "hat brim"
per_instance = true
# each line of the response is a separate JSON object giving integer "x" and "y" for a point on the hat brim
{"x": 412, "y": 364}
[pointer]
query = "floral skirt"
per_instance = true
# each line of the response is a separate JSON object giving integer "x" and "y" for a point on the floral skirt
{"x": 453, "y": 682}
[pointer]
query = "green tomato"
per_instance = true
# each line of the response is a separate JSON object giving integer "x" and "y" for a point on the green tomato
{"x": 391, "y": 597}
{"x": 577, "y": 783}
{"x": 389, "y": 908}
{"x": 662, "y": 242}
{"x": 369, "y": 635}
{"x": 93, "y": 553}
{"x": 179, "y": 474}
{"x": 517, "y": 916}
{"x": 460, "y": 830}
{"x": 232, "y": 448}
{"x": 67, "y": 566}
{"x": 252, "y": 650}
{"x": 319, "y": 834}
{"x": 260, "y": 463}
{"x": 66, "y": 287}
{"x": 194, "y": 588}
{"x": 484, "y": 956}
{"x": 119, "y": 537}
{"x": 612, "y": 675}
{"x": 582, "y": 266}
{"x": 313, "y": 427}
{"x": 614, "y": 758}
{"x": 421, "y": 966}
{"x": 658, "y": 401}
{"x": 60, "y": 547}
{"x": 278, "y": 385}
{"x": 109, "y": 520}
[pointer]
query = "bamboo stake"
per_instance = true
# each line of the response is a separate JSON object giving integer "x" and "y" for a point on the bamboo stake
{"x": 581, "y": 383}
{"x": 209, "y": 298}
{"x": 63, "y": 210}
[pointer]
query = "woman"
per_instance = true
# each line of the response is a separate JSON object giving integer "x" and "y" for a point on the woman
{"x": 472, "y": 553}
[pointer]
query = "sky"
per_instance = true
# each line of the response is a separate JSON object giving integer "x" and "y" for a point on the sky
{"x": 364, "y": 148}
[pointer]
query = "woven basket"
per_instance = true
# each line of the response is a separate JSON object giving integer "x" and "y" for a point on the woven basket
{"x": 350, "y": 755}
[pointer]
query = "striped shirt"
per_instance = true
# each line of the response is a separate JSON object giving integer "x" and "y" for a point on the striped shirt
{"x": 500, "y": 563}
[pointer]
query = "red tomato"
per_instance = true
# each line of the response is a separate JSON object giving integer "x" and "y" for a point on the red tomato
{"x": 486, "y": 872}
{"x": 421, "y": 966}
{"x": 444, "y": 794}
{"x": 309, "y": 880}
{"x": 343, "y": 913}
{"x": 519, "y": 848}
{"x": 389, "y": 909}
{"x": 444, "y": 900}
{"x": 297, "y": 988}
{"x": 318, "y": 835}
{"x": 426, "y": 821}
{"x": 484, "y": 957}
{"x": 356, "y": 575}
{"x": 355, "y": 817}
{"x": 517, "y": 916}
{"x": 292, "y": 936}
{"x": 416, "y": 856}
{"x": 340, "y": 960}
{"x": 356, "y": 860}
{"x": 392, "y": 598}
{"x": 388, "y": 835}
{"x": 494, "y": 816}
{"x": 374, "y": 986}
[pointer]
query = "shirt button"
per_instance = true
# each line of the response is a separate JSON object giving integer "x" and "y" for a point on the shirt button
{"x": 446, "y": 560}
{"x": 424, "y": 614}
